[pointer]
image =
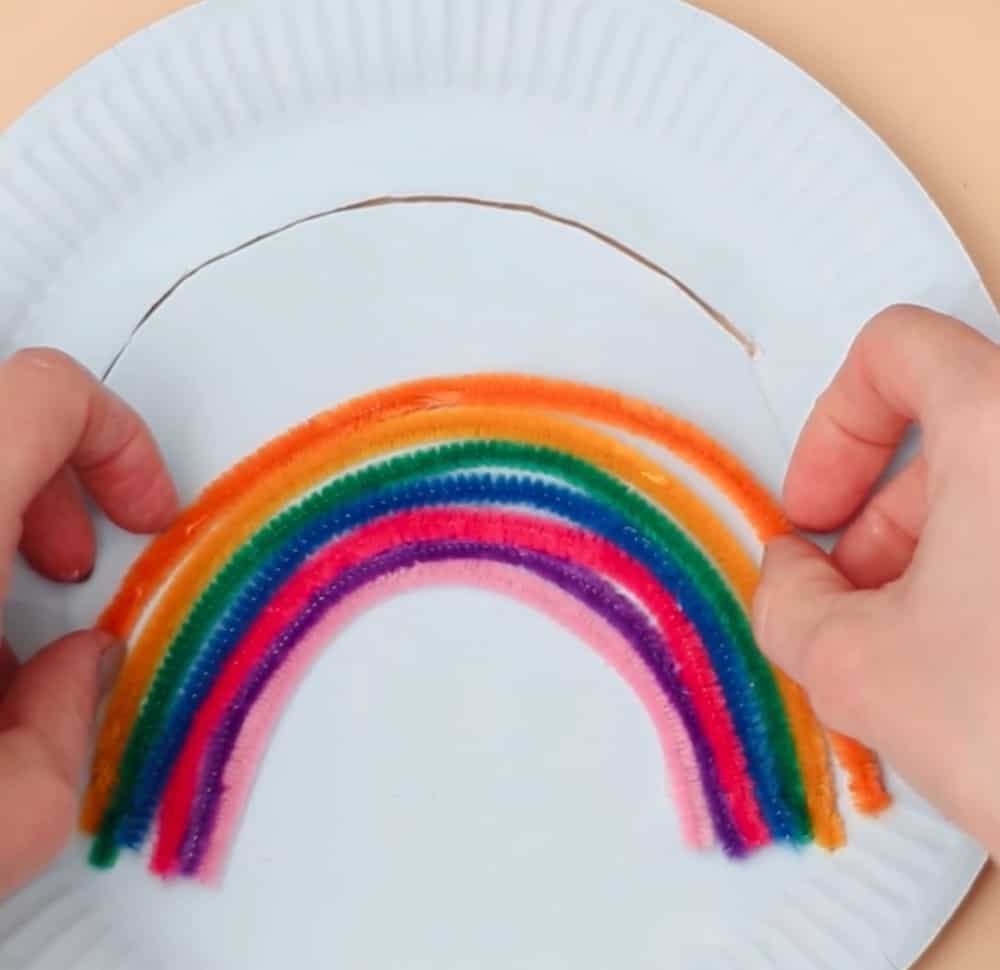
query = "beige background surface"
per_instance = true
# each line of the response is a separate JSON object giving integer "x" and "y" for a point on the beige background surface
{"x": 923, "y": 73}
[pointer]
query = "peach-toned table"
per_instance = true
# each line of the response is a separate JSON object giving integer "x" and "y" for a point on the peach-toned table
{"x": 922, "y": 73}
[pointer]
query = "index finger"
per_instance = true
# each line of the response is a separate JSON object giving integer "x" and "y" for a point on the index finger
{"x": 54, "y": 412}
{"x": 908, "y": 364}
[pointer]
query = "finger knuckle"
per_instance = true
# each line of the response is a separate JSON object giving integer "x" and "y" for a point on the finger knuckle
{"x": 885, "y": 329}
{"x": 41, "y": 358}
{"x": 58, "y": 797}
{"x": 982, "y": 387}
{"x": 29, "y": 753}
{"x": 973, "y": 413}
{"x": 51, "y": 825}
{"x": 893, "y": 318}
{"x": 833, "y": 672}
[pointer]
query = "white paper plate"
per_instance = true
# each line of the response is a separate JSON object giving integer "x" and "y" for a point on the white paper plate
{"x": 446, "y": 792}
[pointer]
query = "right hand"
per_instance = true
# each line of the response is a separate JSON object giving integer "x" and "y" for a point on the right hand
{"x": 896, "y": 635}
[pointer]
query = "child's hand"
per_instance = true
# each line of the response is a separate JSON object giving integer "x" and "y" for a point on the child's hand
{"x": 60, "y": 429}
{"x": 896, "y": 635}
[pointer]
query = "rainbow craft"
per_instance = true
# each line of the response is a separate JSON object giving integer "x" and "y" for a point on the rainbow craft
{"x": 521, "y": 485}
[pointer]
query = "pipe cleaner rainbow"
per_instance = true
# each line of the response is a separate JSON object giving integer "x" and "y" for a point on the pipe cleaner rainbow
{"x": 522, "y": 485}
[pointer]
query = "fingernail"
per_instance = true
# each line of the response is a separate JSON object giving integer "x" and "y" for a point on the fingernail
{"x": 109, "y": 666}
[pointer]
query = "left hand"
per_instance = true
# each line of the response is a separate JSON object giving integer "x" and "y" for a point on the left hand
{"x": 61, "y": 432}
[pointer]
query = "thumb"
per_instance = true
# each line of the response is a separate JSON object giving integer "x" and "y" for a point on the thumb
{"x": 819, "y": 629}
{"x": 54, "y": 697}
{"x": 46, "y": 717}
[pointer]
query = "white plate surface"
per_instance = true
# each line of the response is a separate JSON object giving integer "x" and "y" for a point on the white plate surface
{"x": 448, "y": 792}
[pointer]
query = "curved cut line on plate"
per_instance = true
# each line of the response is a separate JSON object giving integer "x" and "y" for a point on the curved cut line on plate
{"x": 746, "y": 342}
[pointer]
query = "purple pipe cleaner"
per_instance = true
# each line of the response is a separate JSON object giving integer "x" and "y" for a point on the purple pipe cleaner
{"x": 579, "y": 581}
